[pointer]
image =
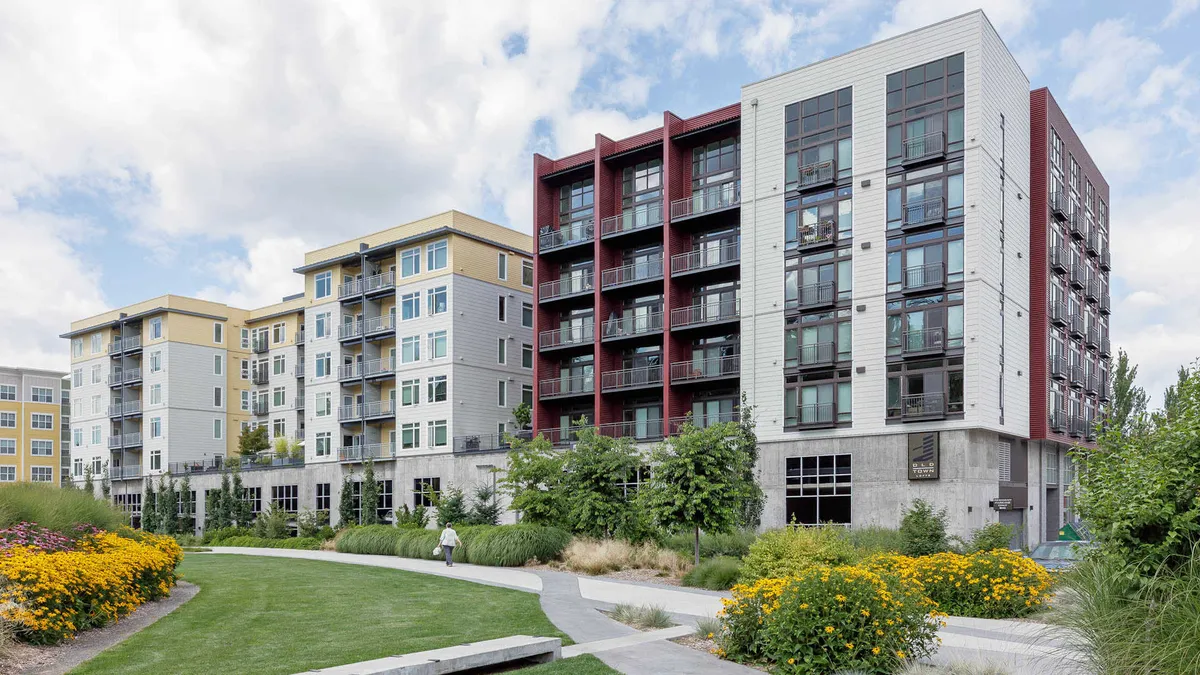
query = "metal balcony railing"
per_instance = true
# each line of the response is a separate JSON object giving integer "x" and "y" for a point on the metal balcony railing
{"x": 813, "y": 295}
{"x": 1079, "y": 275}
{"x": 1103, "y": 391}
{"x": 923, "y": 406}
{"x": 645, "y": 270}
{"x": 384, "y": 408}
{"x": 1076, "y": 377}
{"x": 1059, "y": 367}
{"x": 1092, "y": 338}
{"x": 707, "y": 312}
{"x": 1091, "y": 382}
{"x": 925, "y": 212}
{"x": 724, "y": 253}
{"x": 563, "y": 435}
{"x": 559, "y": 288}
{"x": 567, "y": 336}
{"x": 488, "y": 442}
{"x": 349, "y": 412}
{"x": 816, "y": 235}
{"x": 115, "y": 410}
{"x": 1075, "y": 325}
{"x": 702, "y": 421}
{"x": 260, "y": 376}
{"x": 350, "y": 289}
{"x": 1058, "y": 313}
{"x": 1058, "y": 204}
{"x": 707, "y": 199}
{"x": 379, "y": 282}
{"x": 1076, "y": 426}
{"x": 376, "y": 325}
{"x": 300, "y": 338}
{"x": 1092, "y": 292}
{"x": 568, "y": 234}
{"x": 1105, "y": 259}
{"x": 927, "y": 146}
{"x": 349, "y": 371}
{"x": 1076, "y": 225}
{"x": 638, "y": 430}
{"x": 131, "y": 440}
{"x": 125, "y": 472}
{"x": 298, "y": 404}
{"x": 813, "y": 415}
{"x": 817, "y": 173}
{"x": 640, "y": 217}
{"x": 260, "y": 345}
{"x": 114, "y": 442}
{"x": 634, "y": 324}
{"x": 357, "y": 453}
{"x": 1092, "y": 244}
{"x": 712, "y": 367}
{"x": 816, "y": 355}
{"x": 126, "y": 344}
{"x": 1058, "y": 422}
{"x": 260, "y": 407}
{"x": 924, "y": 341}
{"x": 1105, "y": 348}
{"x": 299, "y": 371}
{"x": 923, "y": 277}
{"x": 573, "y": 385}
{"x": 632, "y": 378}
{"x": 377, "y": 367}
{"x": 1060, "y": 261}
{"x": 131, "y": 408}
{"x": 1105, "y": 303}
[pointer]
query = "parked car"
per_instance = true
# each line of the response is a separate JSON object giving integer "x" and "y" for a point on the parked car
{"x": 1055, "y": 555}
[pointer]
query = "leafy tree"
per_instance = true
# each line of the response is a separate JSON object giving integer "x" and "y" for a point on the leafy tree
{"x": 239, "y": 506}
{"x": 451, "y": 507}
{"x": 281, "y": 447}
{"x": 699, "y": 480}
{"x": 149, "y": 507}
{"x": 523, "y": 415}
{"x": 369, "y": 494}
{"x": 1126, "y": 410}
{"x": 346, "y": 503}
{"x": 1171, "y": 397}
{"x": 485, "y": 509}
{"x": 923, "y": 530}
{"x": 225, "y": 505}
{"x": 105, "y": 483}
{"x": 750, "y": 511}
{"x": 309, "y": 523}
{"x": 272, "y": 523}
{"x": 166, "y": 505}
{"x": 417, "y": 519}
{"x": 534, "y": 481}
{"x": 186, "y": 515}
{"x": 88, "y": 487}
{"x": 253, "y": 441}
{"x": 596, "y": 502}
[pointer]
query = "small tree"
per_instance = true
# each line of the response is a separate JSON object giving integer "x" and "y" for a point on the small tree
{"x": 369, "y": 494}
{"x": 596, "y": 501}
{"x": 166, "y": 503}
{"x": 187, "y": 515}
{"x": 751, "y": 507}
{"x": 451, "y": 507}
{"x": 149, "y": 507}
{"x": 417, "y": 519}
{"x": 225, "y": 502}
{"x": 272, "y": 523}
{"x": 346, "y": 503}
{"x": 105, "y": 483}
{"x": 923, "y": 530}
{"x": 281, "y": 447}
{"x": 212, "y": 501}
{"x": 485, "y": 509}
{"x": 295, "y": 449}
{"x": 253, "y": 441}
{"x": 88, "y": 486}
{"x": 534, "y": 481}
{"x": 309, "y": 523}
{"x": 523, "y": 415}
{"x": 240, "y": 510}
{"x": 699, "y": 480}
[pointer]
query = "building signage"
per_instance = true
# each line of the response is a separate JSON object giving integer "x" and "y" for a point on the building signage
{"x": 924, "y": 456}
{"x": 1002, "y": 504}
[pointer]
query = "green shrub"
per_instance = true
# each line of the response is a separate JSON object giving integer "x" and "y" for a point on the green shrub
{"x": 515, "y": 545}
{"x": 225, "y": 533}
{"x": 189, "y": 540}
{"x": 781, "y": 553}
{"x": 369, "y": 540}
{"x": 734, "y": 544}
{"x": 923, "y": 530}
{"x": 873, "y": 539}
{"x": 990, "y": 537}
{"x": 644, "y": 617}
{"x": 55, "y": 508}
{"x": 419, "y": 544}
{"x": 717, "y": 574}
{"x": 272, "y": 524}
{"x": 301, "y": 543}
{"x": 325, "y": 533}
{"x": 311, "y": 523}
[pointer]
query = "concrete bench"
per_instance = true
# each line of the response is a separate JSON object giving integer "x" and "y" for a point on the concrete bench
{"x": 457, "y": 659}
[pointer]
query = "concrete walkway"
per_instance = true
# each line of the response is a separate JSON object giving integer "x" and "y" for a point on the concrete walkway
{"x": 574, "y": 604}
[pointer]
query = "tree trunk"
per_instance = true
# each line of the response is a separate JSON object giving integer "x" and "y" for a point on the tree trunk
{"x": 697, "y": 548}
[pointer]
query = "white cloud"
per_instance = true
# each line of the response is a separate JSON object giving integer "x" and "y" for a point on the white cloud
{"x": 1166, "y": 79}
{"x": 263, "y": 277}
{"x": 1122, "y": 149}
{"x": 1106, "y": 57}
{"x": 1179, "y": 10}
{"x": 1009, "y": 17}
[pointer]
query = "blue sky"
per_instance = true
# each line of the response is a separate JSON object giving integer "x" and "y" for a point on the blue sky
{"x": 200, "y": 149}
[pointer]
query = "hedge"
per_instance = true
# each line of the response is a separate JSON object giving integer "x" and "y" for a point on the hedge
{"x": 497, "y": 546}
{"x": 302, "y": 543}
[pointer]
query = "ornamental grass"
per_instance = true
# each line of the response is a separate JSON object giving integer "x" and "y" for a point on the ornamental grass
{"x": 51, "y": 596}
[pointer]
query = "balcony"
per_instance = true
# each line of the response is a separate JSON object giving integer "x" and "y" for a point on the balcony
{"x": 298, "y": 404}
{"x": 1075, "y": 325}
{"x": 1060, "y": 261}
{"x": 1105, "y": 346}
{"x": 565, "y": 386}
{"x": 702, "y": 421}
{"x": 260, "y": 407}
{"x": 633, "y": 274}
{"x": 1092, "y": 243}
{"x": 349, "y": 413}
{"x": 818, "y": 235}
{"x": 924, "y": 213}
{"x": 1079, "y": 275}
{"x": 634, "y": 325}
{"x": 125, "y": 345}
{"x": 1058, "y": 421}
{"x": 125, "y": 378}
{"x": 260, "y": 345}
{"x": 1058, "y": 205}
{"x": 379, "y": 283}
{"x": 299, "y": 371}
{"x": 816, "y": 356}
{"x": 128, "y": 408}
{"x": 300, "y": 338}
{"x": 1059, "y": 367}
{"x": 260, "y": 376}
{"x": 727, "y": 253}
{"x": 1105, "y": 304}
{"x": 641, "y": 218}
{"x": 709, "y": 200}
{"x": 918, "y": 278}
{"x": 375, "y": 326}
{"x": 1076, "y": 426}
{"x": 643, "y": 430}
{"x": 349, "y": 371}
{"x": 125, "y": 472}
{"x": 923, "y": 342}
{"x": 916, "y": 407}
{"x": 576, "y": 284}
{"x": 567, "y": 336}
{"x": 628, "y": 379}
{"x": 1092, "y": 339}
{"x": 813, "y": 416}
{"x": 129, "y": 440}
{"x": 1076, "y": 225}
{"x": 351, "y": 290}
{"x": 706, "y": 314}
{"x": 567, "y": 236}
{"x": 1105, "y": 259}
{"x": 357, "y": 453}
{"x": 813, "y": 296}
{"x": 1091, "y": 384}
{"x": 379, "y": 368}
{"x": 706, "y": 369}
{"x": 1058, "y": 313}
{"x": 371, "y": 410}
{"x": 817, "y": 174}
{"x": 1103, "y": 392}
{"x": 924, "y": 148}
{"x": 488, "y": 442}
{"x": 1076, "y": 377}
{"x": 1091, "y": 292}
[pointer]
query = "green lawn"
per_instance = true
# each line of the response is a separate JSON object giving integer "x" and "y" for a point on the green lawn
{"x": 579, "y": 665}
{"x": 278, "y": 615}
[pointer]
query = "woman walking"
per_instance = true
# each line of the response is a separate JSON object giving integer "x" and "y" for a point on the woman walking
{"x": 448, "y": 541}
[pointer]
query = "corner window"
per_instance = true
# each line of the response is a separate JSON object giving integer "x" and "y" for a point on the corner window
{"x": 437, "y": 255}
{"x": 324, "y": 285}
{"x": 156, "y": 328}
{"x": 527, "y": 273}
{"x": 410, "y": 262}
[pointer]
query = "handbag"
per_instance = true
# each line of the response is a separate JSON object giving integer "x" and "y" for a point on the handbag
{"x": 437, "y": 550}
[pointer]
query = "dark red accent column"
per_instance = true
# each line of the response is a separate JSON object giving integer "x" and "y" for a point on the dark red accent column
{"x": 608, "y": 203}
{"x": 544, "y": 214}
{"x": 677, "y": 183}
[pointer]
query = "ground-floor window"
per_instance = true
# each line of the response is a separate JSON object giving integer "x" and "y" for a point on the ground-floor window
{"x": 818, "y": 489}
{"x": 424, "y": 491}
{"x": 286, "y": 497}
{"x": 253, "y": 496}
{"x": 323, "y": 494}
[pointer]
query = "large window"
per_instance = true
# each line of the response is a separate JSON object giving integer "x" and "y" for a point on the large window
{"x": 437, "y": 389}
{"x": 426, "y": 491}
{"x": 410, "y": 306}
{"x": 437, "y": 300}
{"x": 924, "y": 197}
{"x": 818, "y": 280}
{"x": 324, "y": 494}
{"x": 715, "y": 174}
{"x": 925, "y": 260}
{"x": 41, "y": 448}
{"x": 437, "y": 344}
{"x": 410, "y": 262}
{"x": 324, "y": 441}
{"x": 925, "y": 389}
{"x": 253, "y": 497}
{"x": 39, "y": 395}
{"x": 925, "y": 325}
{"x": 817, "y": 339}
{"x": 818, "y": 218}
{"x": 41, "y": 474}
{"x": 286, "y": 497}
{"x": 324, "y": 285}
{"x": 410, "y": 392}
{"x": 41, "y": 421}
{"x": 436, "y": 252}
{"x": 437, "y": 433}
{"x": 925, "y": 110}
{"x": 410, "y": 349}
{"x": 819, "y": 490}
{"x": 817, "y": 400}
{"x": 641, "y": 195}
{"x": 575, "y": 208}
{"x": 817, "y": 139}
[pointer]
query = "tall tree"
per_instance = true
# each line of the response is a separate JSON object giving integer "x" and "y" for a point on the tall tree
{"x": 225, "y": 501}
{"x": 149, "y": 507}
{"x": 534, "y": 481}
{"x": 1171, "y": 397}
{"x": 187, "y": 517}
{"x": 369, "y": 494}
{"x": 240, "y": 509}
{"x": 1126, "y": 410}
{"x": 105, "y": 483}
{"x": 88, "y": 486}
{"x": 346, "y": 503}
{"x": 751, "y": 508}
{"x": 168, "y": 504}
{"x": 597, "y": 503}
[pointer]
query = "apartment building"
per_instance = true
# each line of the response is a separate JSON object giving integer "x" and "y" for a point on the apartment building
{"x": 31, "y": 424}
{"x": 853, "y": 246}
{"x": 409, "y": 346}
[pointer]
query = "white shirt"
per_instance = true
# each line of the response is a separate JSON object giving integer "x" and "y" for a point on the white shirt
{"x": 449, "y": 537}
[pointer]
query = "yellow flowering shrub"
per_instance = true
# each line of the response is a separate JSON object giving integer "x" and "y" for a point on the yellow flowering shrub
{"x": 824, "y": 619}
{"x": 990, "y": 584}
{"x": 52, "y": 596}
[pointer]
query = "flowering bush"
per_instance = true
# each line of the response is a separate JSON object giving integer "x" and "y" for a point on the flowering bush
{"x": 781, "y": 553}
{"x": 828, "y": 618}
{"x": 33, "y": 536}
{"x": 52, "y": 595}
{"x": 990, "y": 584}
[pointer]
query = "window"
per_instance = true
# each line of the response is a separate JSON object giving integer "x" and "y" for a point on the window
{"x": 76, "y": 437}
{"x": 925, "y": 324}
{"x": 527, "y": 394}
{"x": 156, "y": 361}
{"x": 77, "y": 377}
{"x": 410, "y": 306}
{"x": 502, "y": 394}
{"x": 278, "y": 397}
{"x": 156, "y": 328}
{"x": 218, "y": 397}
{"x": 245, "y": 400}
{"x": 278, "y": 364}
{"x": 436, "y": 253}
{"x": 96, "y": 468}
{"x": 817, "y": 139}
{"x": 410, "y": 262}
{"x": 286, "y": 497}
{"x": 437, "y": 344}
{"x": 253, "y": 496}
{"x": 41, "y": 421}
{"x": 97, "y": 343}
{"x": 245, "y": 341}
{"x": 324, "y": 441}
{"x": 95, "y": 434}
{"x": 925, "y": 389}
{"x": 1004, "y": 461}
{"x": 39, "y": 394}
{"x": 218, "y": 429}
{"x": 8, "y": 446}
{"x": 927, "y": 196}
{"x": 41, "y": 474}
{"x": 410, "y": 349}
{"x": 925, "y": 110}
{"x": 527, "y": 315}
{"x": 218, "y": 333}
{"x": 155, "y": 427}
{"x": 96, "y": 374}
{"x": 501, "y": 309}
{"x": 502, "y": 266}
{"x": 8, "y": 420}
{"x": 437, "y": 389}
{"x": 324, "y": 285}
{"x": 410, "y": 435}
{"x": 501, "y": 351}
{"x": 41, "y": 448}
{"x": 8, "y": 474}
{"x": 437, "y": 434}
{"x": 245, "y": 369}
{"x": 77, "y": 467}
{"x": 410, "y": 392}
{"x": 324, "y": 361}
{"x": 425, "y": 491}
{"x": 324, "y": 404}
{"x": 437, "y": 300}
{"x": 323, "y": 496}
{"x": 925, "y": 260}
{"x": 324, "y": 324}
{"x": 77, "y": 348}
{"x": 819, "y": 490}
{"x": 527, "y": 273}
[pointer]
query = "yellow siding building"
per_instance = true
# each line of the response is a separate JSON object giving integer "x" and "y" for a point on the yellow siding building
{"x": 30, "y": 425}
